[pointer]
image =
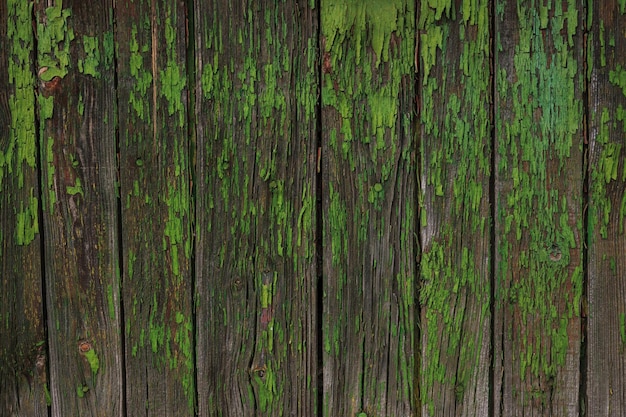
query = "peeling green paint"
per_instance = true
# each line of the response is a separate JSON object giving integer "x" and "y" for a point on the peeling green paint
{"x": 53, "y": 42}
{"x": 93, "y": 360}
{"x": 539, "y": 135}
{"x": 21, "y": 146}
{"x": 27, "y": 221}
{"x": 89, "y": 65}
{"x": 454, "y": 45}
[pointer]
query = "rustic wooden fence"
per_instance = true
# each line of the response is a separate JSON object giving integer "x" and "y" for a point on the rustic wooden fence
{"x": 345, "y": 208}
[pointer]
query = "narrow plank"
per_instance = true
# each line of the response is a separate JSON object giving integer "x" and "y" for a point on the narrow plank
{"x": 539, "y": 207}
{"x": 369, "y": 207}
{"x": 157, "y": 207}
{"x": 606, "y": 342}
{"x": 23, "y": 378}
{"x": 455, "y": 290}
{"x": 256, "y": 209}
{"x": 76, "y": 108}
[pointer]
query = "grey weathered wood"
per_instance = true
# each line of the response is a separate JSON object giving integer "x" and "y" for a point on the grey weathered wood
{"x": 606, "y": 315}
{"x": 157, "y": 207}
{"x": 456, "y": 155}
{"x": 256, "y": 301}
{"x": 22, "y": 327}
{"x": 369, "y": 208}
{"x": 539, "y": 76}
{"x": 76, "y": 108}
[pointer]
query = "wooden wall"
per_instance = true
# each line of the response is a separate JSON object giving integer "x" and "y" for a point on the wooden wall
{"x": 335, "y": 208}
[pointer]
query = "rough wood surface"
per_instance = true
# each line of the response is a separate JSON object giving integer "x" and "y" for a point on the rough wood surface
{"x": 22, "y": 328}
{"x": 539, "y": 76}
{"x": 256, "y": 208}
{"x": 606, "y": 315}
{"x": 156, "y": 207}
{"x": 369, "y": 207}
{"x": 76, "y": 108}
{"x": 455, "y": 135}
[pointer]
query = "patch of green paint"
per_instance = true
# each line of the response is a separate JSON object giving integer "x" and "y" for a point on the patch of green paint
{"x": 81, "y": 390}
{"x": 53, "y": 42}
{"x": 46, "y": 392}
{"x": 617, "y": 77}
{"x": 21, "y": 146}
{"x": 89, "y": 64}
{"x": 143, "y": 77}
{"x": 27, "y": 221}
{"x": 77, "y": 188}
{"x": 173, "y": 79}
{"x": 544, "y": 102}
{"x": 93, "y": 360}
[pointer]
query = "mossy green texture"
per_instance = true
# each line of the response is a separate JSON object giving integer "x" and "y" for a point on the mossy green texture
{"x": 540, "y": 272}
{"x": 454, "y": 49}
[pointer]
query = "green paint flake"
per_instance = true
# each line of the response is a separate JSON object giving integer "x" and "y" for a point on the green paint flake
{"x": 94, "y": 361}
{"x": 77, "y": 188}
{"x": 622, "y": 327}
{"x": 27, "y": 221}
{"x": 21, "y": 146}
{"x": 143, "y": 77}
{"x": 89, "y": 65}
{"x": 536, "y": 140}
{"x": 81, "y": 390}
{"x": 53, "y": 42}
{"x": 173, "y": 79}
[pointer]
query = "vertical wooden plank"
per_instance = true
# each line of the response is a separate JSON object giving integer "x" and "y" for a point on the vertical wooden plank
{"x": 606, "y": 342}
{"x": 22, "y": 328}
{"x": 157, "y": 207}
{"x": 76, "y": 106}
{"x": 539, "y": 237}
{"x": 369, "y": 207}
{"x": 455, "y": 292}
{"x": 256, "y": 215}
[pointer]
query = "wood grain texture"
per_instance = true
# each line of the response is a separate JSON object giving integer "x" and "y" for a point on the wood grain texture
{"x": 606, "y": 341}
{"x": 455, "y": 289}
{"x": 539, "y": 207}
{"x": 157, "y": 207}
{"x": 256, "y": 210}
{"x": 22, "y": 328}
{"x": 76, "y": 107}
{"x": 369, "y": 207}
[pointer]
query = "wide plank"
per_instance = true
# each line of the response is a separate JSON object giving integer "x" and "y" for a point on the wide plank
{"x": 256, "y": 264}
{"x": 539, "y": 237}
{"x": 606, "y": 314}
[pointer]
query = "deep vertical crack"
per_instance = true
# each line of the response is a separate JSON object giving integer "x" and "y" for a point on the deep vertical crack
{"x": 492, "y": 210}
{"x": 120, "y": 245}
{"x": 319, "y": 225}
{"x": 582, "y": 393}
{"x": 40, "y": 213}
{"x": 191, "y": 133}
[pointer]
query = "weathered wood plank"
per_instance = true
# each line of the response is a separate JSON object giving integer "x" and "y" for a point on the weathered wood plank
{"x": 256, "y": 223}
{"x": 76, "y": 108}
{"x": 22, "y": 328}
{"x": 606, "y": 342}
{"x": 369, "y": 207}
{"x": 539, "y": 207}
{"x": 157, "y": 207}
{"x": 455, "y": 294}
